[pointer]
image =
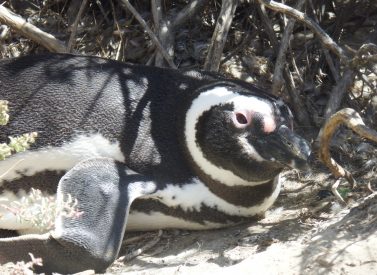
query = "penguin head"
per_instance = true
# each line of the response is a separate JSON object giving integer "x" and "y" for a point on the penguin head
{"x": 242, "y": 137}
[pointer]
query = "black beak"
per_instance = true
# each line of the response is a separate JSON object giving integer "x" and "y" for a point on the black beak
{"x": 285, "y": 147}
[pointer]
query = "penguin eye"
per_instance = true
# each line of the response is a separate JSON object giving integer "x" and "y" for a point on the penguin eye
{"x": 241, "y": 119}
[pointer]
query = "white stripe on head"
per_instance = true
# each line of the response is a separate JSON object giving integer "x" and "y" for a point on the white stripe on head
{"x": 204, "y": 102}
{"x": 249, "y": 149}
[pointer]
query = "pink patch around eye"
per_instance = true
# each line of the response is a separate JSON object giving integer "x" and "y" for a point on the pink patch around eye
{"x": 269, "y": 124}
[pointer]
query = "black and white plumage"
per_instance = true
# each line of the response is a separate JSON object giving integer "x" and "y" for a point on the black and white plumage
{"x": 188, "y": 149}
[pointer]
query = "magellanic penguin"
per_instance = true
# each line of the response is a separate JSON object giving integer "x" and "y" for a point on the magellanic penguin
{"x": 188, "y": 149}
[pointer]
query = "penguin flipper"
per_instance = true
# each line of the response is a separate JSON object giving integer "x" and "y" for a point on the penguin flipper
{"x": 104, "y": 190}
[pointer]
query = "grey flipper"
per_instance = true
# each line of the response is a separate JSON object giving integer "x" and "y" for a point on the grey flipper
{"x": 104, "y": 190}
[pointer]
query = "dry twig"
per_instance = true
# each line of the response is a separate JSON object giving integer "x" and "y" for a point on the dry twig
{"x": 144, "y": 248}
{"x": 166, "y": 27}
{"x": 352, "y": 120}
{"x": 338, "y": 92}
{"x": 30, "y": 31}
{"x": 137, "y": 238}
{"x": 228, "y": 7}
{"x": 277, "y": 81}
{"x": 75, "y": 25}
{"x": 120, "y": 51}
{"x": 326, "y": 52}
{"x": 150, "y": 33}
{"x": 361, "y": 57}
{"x": 325, "y": 39}
{"x": 364, "y": 56}
{"x": 268, "y": 27}
{"x": 282, "y": 71}
{"x": 334, "y": 189}
{"x": 156, "y": 13}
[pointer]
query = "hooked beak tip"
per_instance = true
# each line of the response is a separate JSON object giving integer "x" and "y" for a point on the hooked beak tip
{"x": 299, "y": 148}
{"x": 304, "y": 159}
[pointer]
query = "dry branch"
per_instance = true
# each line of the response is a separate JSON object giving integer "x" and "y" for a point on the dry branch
{"x": 150, "y": 32}
{"x": 120, "y": 51}
{"x": 188, "y": 11}
{"x": 277, "y": 81}
{"x": 142, "y": 249}
{"x": 364, "y": 56}
{"x": 325, "y": 39}
{"x": 326, "y": 52}
{"x": 166, "y": 36}
{"x": 228, "y": 7}
{"x": 100, "y": 6}
{"x": 352, "y": 120}
{"x": 166, "y": 27}
{"x": 30, "y": 31}
{"x": 334, "y": 189}
{"x": 297, "y": 104}
{"x": 75, "y": 25}
{"x": 338, "y": 92}
{"x": 268, "y": 27}
{"x": 156, "y": 13}
{"x": 361, "y": 58}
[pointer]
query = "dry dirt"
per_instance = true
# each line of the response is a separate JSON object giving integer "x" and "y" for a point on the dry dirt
{"x": 306, "y": 232}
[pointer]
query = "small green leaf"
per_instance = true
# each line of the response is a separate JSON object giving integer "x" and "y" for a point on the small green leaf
{"x": 5, "y": 151}
{"x": 4, "y": 117}
{"x": 23, "y": 142}
{"x": 344, "y": 191}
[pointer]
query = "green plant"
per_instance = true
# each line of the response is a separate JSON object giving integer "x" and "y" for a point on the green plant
{"x": 16, "y": 144}
{"x": 41, "y": 210}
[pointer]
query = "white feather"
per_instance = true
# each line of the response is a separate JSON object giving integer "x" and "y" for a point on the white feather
{"x": 191, "y": 197}
{"x": 139, "y": 221}
{"x": 59, "y": 158}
